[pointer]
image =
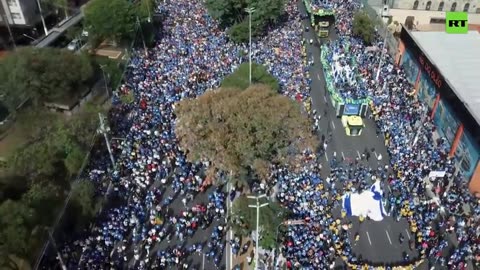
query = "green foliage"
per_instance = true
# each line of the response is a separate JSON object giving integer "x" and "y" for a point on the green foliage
{"x": 245, "y": 218}
{"x": 128, "y": 98}
{"x": 16, "y": 223}
{"x": 240, "y": 78}
{"x": 84, "y": 197}
{"x": 42, "y": 74}
{"x": 363, "y": 27}
{"x": 74, "y": 159}
{"x": 53, "y": 142}
{"x": 231, "y": 13}
{"x": 43, "y": 197}
{"x": 236, "y": 129}
{"x": 111, "y": 19}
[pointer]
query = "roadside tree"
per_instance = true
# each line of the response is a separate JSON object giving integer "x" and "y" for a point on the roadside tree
{"x": 244, "y": 220}
{"x": 243, "y": 131}
{"x": 363, "y": 27}
{"x": 42, "y": 74}
{"x": 240, "y": 78}
{"x": 232, "y": 14}
{"x": 114, "y": 20}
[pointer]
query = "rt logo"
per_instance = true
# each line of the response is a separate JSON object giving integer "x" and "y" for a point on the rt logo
{"x": 456, "y": 23}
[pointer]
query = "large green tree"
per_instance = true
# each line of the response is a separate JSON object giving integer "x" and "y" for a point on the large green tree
{"x": 240, "y": 78}
{"x": 54, "y": 142}
{"x": 114, "y": 20}
{"x": 363, "y": 27}
{"x": 244, "y": 220}
{"x": 231, "y": 13}
{"x": 16, "y": 223}
{"x": 42, "y": 74}
{"x": 242, "y": 130}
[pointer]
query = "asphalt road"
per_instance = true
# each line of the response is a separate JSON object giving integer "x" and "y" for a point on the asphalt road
{"x": 378, "y": 241}
{"x": 196, "y": 260}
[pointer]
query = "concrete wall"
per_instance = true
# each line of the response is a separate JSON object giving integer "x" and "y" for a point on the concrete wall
{"x": 424, "y": 17}
{"x": 434, "y": 4}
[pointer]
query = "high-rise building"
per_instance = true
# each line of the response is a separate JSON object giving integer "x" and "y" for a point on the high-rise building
{"x": 19, "y": 13}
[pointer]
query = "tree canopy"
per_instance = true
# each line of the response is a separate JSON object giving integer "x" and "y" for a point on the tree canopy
{"x": 243, "y": 131}
{"x": 112, "y": 19}
{"x": 244, "y": 220}
{"x": 363, "y": 27}
{"x": 231, "y": 13}
{"x": 240, "y": 78}
{"x": 42, "y": 74}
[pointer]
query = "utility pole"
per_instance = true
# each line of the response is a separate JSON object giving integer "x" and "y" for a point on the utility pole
{"x": 258, "y": 206}
{"x": 141, "y": 33}
{"x": 60, "y": 260}
{"x": 250, "y": 10}
{"x": 41, "y": 16}
{"x": 7, "y": 23}
{"x": 102, "y": 67}
{"x": 104, "y": 131}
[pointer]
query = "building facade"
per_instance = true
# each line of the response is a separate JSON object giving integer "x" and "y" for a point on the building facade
{"x": 19, "y": 13}
{"x": 453, "y": 120}
{"x": 471, "y": 6}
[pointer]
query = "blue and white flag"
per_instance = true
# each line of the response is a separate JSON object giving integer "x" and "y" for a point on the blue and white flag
{"x": 368, "y": 203}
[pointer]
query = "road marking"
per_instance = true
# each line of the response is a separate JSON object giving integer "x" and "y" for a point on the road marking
{"x": 388, "y": 236}
{"x": 368, "y": 237}
{"x": 408, "y": 234}
{"x": 389, "y": 189}
{"x": 326, "y": 156}
{"x": 318, "y": 76}
{"x": 343, "y": 156}
{"x": 333, "y": 125}
{"x": 376, "y": 156}
{"x": 358, "y": 154}
{"x": 325, "y": 98}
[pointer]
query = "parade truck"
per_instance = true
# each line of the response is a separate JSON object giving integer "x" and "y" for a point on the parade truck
{"x": 321, "y": 17}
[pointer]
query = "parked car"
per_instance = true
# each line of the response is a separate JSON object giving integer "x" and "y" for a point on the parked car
{"x": 74, "y": 45}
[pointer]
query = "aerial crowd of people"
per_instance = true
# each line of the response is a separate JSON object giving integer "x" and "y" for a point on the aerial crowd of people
{"x": 163, "y": 211}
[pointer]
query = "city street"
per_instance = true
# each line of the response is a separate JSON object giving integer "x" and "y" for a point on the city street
{"x": 378, "y": 241}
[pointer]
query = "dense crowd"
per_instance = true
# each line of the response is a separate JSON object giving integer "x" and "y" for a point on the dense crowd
{"x": 161, "y": 201}
{"x": 445, "y": 233}
{"x": 164, "y": 201}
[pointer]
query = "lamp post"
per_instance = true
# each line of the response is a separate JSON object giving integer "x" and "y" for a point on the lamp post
{"x": 43, "y": 19}
{"x": 250, "y": 10}
{"x": 258, "y": 206}
{"x": 102, "y": 67}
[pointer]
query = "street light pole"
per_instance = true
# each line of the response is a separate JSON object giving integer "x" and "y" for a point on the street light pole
{"x": 41, "y": 16}
{"x": 102, "y": 67}
{"x": 382, "y": 55}
{"x": 258, "y": 206}
{"x": 104, "y": 131}
{"x": 60, "y": 260}
{"x": 250, "y": 10}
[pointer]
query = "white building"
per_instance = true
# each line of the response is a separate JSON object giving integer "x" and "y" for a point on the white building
{"x": 20, "y": 13}
{"x": 471, "y": 6}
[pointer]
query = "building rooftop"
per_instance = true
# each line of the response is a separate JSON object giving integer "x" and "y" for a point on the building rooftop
{"x": 458, "y": 60}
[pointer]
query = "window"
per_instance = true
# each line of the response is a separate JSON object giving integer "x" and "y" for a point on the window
{"x": 429, "y": 5}
{"x": 440, "y": 6}
{"x": 16, "y": 16}
{"x": 466, "y": 7}
{"x": 12, "y": 3}
{"x": 415, "y": 5}
{"x": 454, "y": 6}
{"x": 478, "y": 11}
